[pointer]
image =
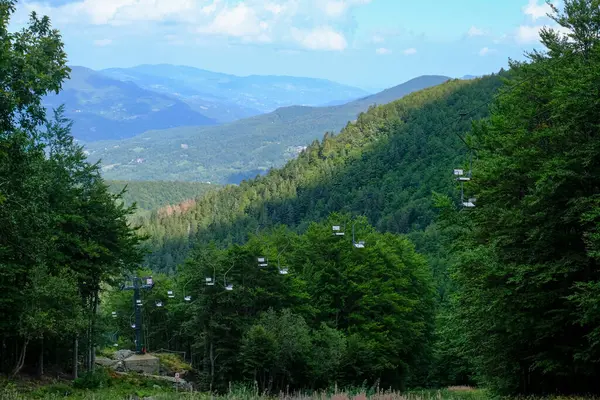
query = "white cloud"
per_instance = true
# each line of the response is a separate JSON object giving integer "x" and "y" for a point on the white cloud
{"x": 383, "y": 51}
{"x": 485, "y": 51}
{"x": 526, "y": 34}
{"x": 247, "y": 20}
{"x": 320, "y": 38}
{"x": 337, "y": 8}
{"x": 410, "y": 52}
{"x": 240, "y": 21}
{"x": 474, "y": 31}
{"x": 536, "y": 11}
{"x": 102, "y": 42}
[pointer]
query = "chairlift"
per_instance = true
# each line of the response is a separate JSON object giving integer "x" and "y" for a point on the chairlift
{"x": 360, "y": 244}
{"x": 170, "y": 294}
{"x": 188, "y": 298}
{"x": 337, "y": 230}
{"x": 229, "y": 287}
{"x": 114, "y": 314}
{"x": 138, "y": 302}
{"x": 262, "y": 262}
{"x": 470, "y": 203}
{"x": 159, "y": 303}
{"x": 133, "y": 326}
{"x": 210, "y": 282}
{"x": 283, "y": 271}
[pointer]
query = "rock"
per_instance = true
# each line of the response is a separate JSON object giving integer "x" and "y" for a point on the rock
{"x": 120, "y": 367}
{"x": 142, "y": 363}
{"x": 123, "y": 354}
{"x": 105, "y": 362}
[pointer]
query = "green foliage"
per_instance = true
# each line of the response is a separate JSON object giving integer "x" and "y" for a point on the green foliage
{"x": 341, "y": 314}
{"x": 62, "y": 234}
{"x": 527, "y": 269}
{"x": 96, "y": 379}
{"x": 151, "y": 195}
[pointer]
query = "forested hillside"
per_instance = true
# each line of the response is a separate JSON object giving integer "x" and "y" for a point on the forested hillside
{"x": 151, "y": 195}
{"x": 384, "y": 166}
{"x": 240, "y": 150}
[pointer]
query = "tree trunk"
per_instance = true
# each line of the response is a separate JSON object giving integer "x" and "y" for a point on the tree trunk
{"x": 75, "y": 357}
{"x": 21, "y": 359}
{"x": 212, "y": 365}
{"x": 41, "y": 359}
{"x": 93, "y": 332}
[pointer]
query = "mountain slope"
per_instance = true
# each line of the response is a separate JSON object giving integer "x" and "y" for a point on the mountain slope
{"x": 151, "y": 195}
{"x": 103, "y": 108}
{"x": 254, "y": 92}
{"x": 385, "y": 167}
{"x": 240, "y": 150}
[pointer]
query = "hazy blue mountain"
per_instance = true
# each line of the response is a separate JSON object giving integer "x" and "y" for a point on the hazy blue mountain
{"x": 103, "y": 108}
{"x": 232, "y": 152}
{"x": 254, "y": 94}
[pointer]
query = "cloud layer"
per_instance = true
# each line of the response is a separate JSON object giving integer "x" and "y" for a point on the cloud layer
{"x": 311, "y": 24}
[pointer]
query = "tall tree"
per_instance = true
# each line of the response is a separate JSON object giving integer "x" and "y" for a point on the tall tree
{"x": 528, "y": 270}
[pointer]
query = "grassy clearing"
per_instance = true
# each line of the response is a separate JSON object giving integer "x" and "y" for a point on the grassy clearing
{"x": 139, "y": 390}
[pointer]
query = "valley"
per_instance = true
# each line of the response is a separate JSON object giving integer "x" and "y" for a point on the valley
{"x": 240, "y": 150}
{"x": 297, "y": 238}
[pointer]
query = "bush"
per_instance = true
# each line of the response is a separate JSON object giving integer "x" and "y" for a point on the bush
{"x": 96, "y": 379}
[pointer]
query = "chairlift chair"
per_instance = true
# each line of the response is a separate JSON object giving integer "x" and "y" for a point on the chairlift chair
{"x": 170, "y": 294}
{"x": 262, "y": 262}
{"x": 159, "y": 303}
{"x": 114, "y": 314}
{"x": 229, "y": 287}
{"x": 209, "y": 282}
{"x": 138, "y": 302}
{"x": 283, "y": 271}
{"x": 470, "y": 203}
{"x": 188, "y": 298}
{"x": 360, "y": 244}
{"x": 337, "y": 230}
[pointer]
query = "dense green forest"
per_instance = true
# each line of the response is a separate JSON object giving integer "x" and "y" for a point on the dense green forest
{"x": 256, "y": 284}
{"x": 151, "y": 195}
{"x": 384, "y": 166}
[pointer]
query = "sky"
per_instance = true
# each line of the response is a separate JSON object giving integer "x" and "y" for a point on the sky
{"x": 372, "y": 44}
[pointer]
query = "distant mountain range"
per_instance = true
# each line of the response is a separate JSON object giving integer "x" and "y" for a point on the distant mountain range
{"x": 106, "y": 108}
{"x": 256, "y": 94}
{"x": 120, "y": 103}
{"x": 232, "y": 152}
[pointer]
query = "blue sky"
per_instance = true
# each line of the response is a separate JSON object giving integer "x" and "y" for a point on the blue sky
{"x": 367, "y": 43}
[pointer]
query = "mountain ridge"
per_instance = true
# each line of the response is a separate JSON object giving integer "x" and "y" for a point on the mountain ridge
{"x": 239, "y": 150}
{"x": 263, "y": 93}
